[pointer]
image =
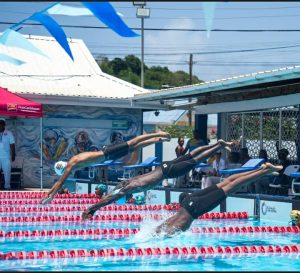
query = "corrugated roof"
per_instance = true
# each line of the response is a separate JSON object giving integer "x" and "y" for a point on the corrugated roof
{"x": 285, "y": 73}
{"x": 58, "y": 74}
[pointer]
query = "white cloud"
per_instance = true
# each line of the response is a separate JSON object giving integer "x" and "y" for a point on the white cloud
{"x": 164, "y": 39}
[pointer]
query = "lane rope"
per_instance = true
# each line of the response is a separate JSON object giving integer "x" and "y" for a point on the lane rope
{"x": 130, "y": 231}
{"x": 149, "y": 251}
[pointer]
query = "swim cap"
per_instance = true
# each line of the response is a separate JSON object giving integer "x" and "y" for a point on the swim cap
{"x": 59, "y": 167}
{"x": 101, "y": 187}
{"x": 139, "y": 200}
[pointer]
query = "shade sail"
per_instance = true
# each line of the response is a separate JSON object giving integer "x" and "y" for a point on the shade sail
{"x": 13, "y": 105}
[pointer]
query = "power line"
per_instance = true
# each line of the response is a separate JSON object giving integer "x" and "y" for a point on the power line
{"x": 166, "y": 29}
{"x": 217, "y": 52}
{"x": 196, "y": 18}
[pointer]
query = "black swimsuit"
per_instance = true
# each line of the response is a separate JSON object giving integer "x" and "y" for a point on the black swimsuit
{"x": 178, "y": 166}
{"x": 202, "y": 201}
{"x": 113, "y": 152}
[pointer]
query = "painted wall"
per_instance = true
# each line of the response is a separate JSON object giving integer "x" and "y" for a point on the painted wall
{"x": 68, "y": 130}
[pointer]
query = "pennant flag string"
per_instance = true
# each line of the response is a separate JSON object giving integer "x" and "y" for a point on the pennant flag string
{"x": 9, "y": 59}
{"x": 105, "y": 12}
{"x": 15, "y": 26}
{"x": 14, "y": 39}
{"x": 55, "y": 30}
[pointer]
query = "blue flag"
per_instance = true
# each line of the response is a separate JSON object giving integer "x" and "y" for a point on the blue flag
{"x": 55, "y": 30}
{"x": 6, "y": 58}
{"x": 105, "y": 12}
{"x": 14, "y": 39}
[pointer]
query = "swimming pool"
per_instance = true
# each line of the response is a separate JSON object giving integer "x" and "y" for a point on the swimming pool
{"x": 125, "y": 245}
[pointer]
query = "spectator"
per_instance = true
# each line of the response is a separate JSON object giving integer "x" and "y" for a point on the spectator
{"x": 7, "y": 153}
{"x": 244, "y": 156}
{"x": 263, "y": 154}
{"x": 261, "y": 186}
{"x": 179, "y": 150}
{"x": 282, "y": 179}
{"x": 195, "y": 142}
{"x": 182, "y": 180}
{"x": 233, "y": 160}
{"x": 218, "y": 164}
{"x": 192, "y": 144}
{"x": 214, "y": 177}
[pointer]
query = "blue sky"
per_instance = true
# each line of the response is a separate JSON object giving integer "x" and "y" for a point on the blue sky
{"x": 172, "y": 48}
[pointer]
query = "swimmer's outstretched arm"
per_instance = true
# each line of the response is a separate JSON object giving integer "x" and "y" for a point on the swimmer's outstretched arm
{"x": 106, "y": 200}
{"x": 76, "y": 162}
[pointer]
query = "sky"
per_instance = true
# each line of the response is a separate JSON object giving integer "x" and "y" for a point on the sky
{"x": 212, "y": 56}
{"x": 211, "y": 59}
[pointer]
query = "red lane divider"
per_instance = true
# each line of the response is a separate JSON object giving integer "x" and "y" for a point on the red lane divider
{"x": 120, "y": 217}
{"x": 225, "y": 215}
{"x": 129, "y": 231}
{"x": 148, "y": 251}
{"x": 66, "y": 232}
{"x": 54, "y": 201}
{"x": 67, "y": 218}
{"x": 106, "y": 208}
{"x": 247, "y": 229}
{"x": 37, "y": 195}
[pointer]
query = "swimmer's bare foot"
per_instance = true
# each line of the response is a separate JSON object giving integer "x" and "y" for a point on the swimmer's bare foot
{"x": 162, "y": 139}
{"x": 46, "y": 200}
{"x": 272, "y": 168}
{"x": 226, "y": 144}
{"x": 164, "y": 134}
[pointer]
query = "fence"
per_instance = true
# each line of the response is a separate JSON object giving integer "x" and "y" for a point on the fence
{"x": 264, "y": 130}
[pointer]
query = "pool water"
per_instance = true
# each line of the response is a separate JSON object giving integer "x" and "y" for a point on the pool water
{"x": 143, "y": 239}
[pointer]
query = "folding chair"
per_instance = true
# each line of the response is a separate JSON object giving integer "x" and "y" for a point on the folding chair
{"x": 133, "y": 170}
{"x": 283, "y": 189}
{"x": 295, "y": 182}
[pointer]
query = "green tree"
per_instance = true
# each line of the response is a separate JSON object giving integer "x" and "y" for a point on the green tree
{"x": 129, "y": 69}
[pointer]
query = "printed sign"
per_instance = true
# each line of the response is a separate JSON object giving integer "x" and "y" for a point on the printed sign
{"x": 156, "y": 197}
{"x": 12, "y": 107}
{"x": 120, "y": 124}
{"x": 82, "y": 187}
{"x": 275, "y": 211}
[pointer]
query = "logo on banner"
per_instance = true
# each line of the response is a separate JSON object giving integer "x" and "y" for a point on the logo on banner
{"x": 12, "y": 107}
{"x": 150, "y": 196}
{"x": 265, "y": 209}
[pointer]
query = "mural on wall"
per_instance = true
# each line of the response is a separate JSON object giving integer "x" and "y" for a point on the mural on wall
{"x": 69, "y": 130}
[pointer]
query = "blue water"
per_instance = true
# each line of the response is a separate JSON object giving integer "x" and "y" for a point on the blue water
{"x": 233, "y": 262}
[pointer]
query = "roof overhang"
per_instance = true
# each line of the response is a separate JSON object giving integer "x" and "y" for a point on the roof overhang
{"x": 278, "y": 87}
{"x": 91, "y": 101}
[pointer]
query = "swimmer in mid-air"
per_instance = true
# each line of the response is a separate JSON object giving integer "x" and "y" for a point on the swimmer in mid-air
{"x": 167, "y": 169}
{"x": 111, "y": 152}
{"x": 195, "y": 204}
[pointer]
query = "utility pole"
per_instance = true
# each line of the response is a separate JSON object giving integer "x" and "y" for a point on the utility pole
{"x": 191, "y": 82}
{"x": 142, "y": 13}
